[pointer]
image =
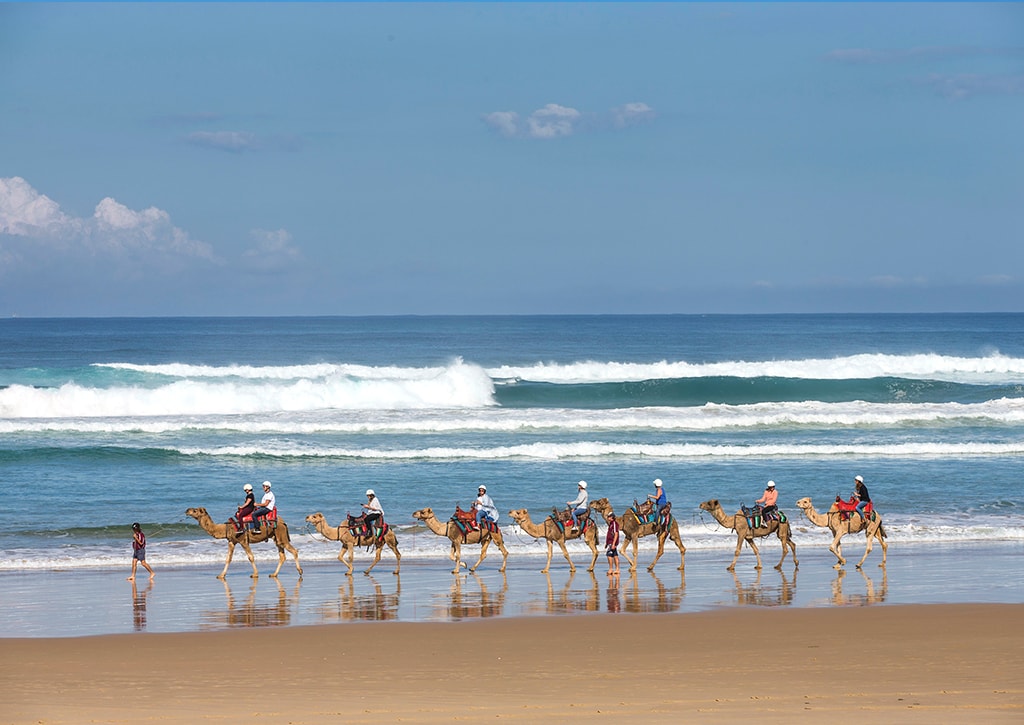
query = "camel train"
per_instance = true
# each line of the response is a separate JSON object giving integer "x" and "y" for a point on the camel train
{"x": 554, "y": 529}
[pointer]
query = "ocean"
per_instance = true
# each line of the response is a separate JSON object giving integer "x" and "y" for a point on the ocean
{"x": 104, "y": 422}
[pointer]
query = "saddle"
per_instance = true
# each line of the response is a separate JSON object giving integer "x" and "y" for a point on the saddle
{"x": 465, "y": 522}
{"x": 246, "y": 522}
{"x": 846, "y": 508}
{"x": 646, "y": 513}
{"x": 563, "y": 520}
{"x": 358, "y": 528}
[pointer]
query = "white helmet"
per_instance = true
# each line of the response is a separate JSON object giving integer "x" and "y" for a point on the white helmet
{"x": 266, "y": 484}
{"x": 369, "y": 492}
{"x": 583, "y": 484}
{"x": 247, "y": 487}
{"x": 482, "y": 487}
{"x": 771, "y": 484}
{"x": 657, "y": 483}
{"x": 858, "y": 479}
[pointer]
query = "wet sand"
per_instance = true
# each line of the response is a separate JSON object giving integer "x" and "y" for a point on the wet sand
{"x": 909, "y": 664}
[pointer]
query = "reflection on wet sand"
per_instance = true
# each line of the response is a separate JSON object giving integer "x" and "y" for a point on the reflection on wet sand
{"x": 870, "y": 595}
{"x": 465, "y": 603}
{"x": 586, "y": 598}
{"x": 766, "y": 595}
{"x": 376, "y": 606}
{"x": 663, "y": 599}
{"x": 251, "y": 614}
{"x": 139, "y": 606}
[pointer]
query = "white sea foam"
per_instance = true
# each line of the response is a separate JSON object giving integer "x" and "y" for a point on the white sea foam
{"x": 989, "y": 369}
{"x": 703, "y": 535}
{"x": 709, "y": 417}
{"x": 456, "y": 386}
{"x": 599, "y": 449}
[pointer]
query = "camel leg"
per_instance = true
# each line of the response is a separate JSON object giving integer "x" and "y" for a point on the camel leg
{"x": 736, "y": 554}
{"x": 484, "y": 543}
{"x": 837, "y": 549}
{"x": 593, "y": 559}
{"x": 787, "y": 543}
{"x": 231, "y": 553}
{"x": 398, "y": 555}
{"x": 625, "y": 552}
{"x": 547, "y": 566}
{"x": 456, "y": 556}
{"x": 661, "y": 550}
{"x": 504, "y": 554}
{"x": 380, "y": 550}
{"x": 345, "y": 556}
{"x": 678, "y": 540}
{"x": 565, "y": 553}
{"x": 756, "y": 553}
{"x": 280, "y": 558}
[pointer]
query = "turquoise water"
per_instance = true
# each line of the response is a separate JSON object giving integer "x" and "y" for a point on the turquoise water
{"x": 108, "y": 421}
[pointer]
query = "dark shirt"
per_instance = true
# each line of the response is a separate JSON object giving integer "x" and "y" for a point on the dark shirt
{"x": 862, "y": 493}
{"x": 613, "y": 533}
{"x": 138, "y": 541}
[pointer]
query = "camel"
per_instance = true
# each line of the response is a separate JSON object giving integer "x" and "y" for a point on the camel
{"x": 632, "y": 530}
{"x": 738, "y": 523}
{"x": 549, "y": 531}
{"x": 839, "y": 528}
{"x": 448, "y": 529}
{"x": 350, "y": 542}
{"x": 278, "y": 534}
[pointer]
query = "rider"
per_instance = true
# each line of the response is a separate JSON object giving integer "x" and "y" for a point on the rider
{"x": 373, "y": 512}
{"x": 484, "y": 506}
{"x": 578, "y": 504}
{"x": 770, "y": 500}
{"x": 267, "y": 504}
{"x": 660, "y": 500}
{"x": 247, "y": 507}
{"x": 860, "y": 492}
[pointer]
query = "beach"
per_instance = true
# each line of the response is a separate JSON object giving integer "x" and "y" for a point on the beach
{"x": 913, "y": 663}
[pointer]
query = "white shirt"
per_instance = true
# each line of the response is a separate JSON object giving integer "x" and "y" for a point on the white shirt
{"x": 373, "y": 506}
{"x": 580, "y": 501}
{"x": 269, "y": 501}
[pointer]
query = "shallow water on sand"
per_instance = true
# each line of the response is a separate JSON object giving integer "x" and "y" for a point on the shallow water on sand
{"x": 79, "y": 603}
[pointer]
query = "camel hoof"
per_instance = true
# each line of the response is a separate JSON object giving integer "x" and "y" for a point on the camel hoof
{"x": 837, "y": 566}
{"x": 731, "y": 568}
{"x": 221, "y": 577}
{"x": 543, "y": 571}
{"x": 778, "y": 567}
{"x": 758, "y": 567}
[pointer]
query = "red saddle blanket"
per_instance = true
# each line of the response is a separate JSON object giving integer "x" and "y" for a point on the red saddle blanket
{"x": 357, "y": 527}
{"x": 848, "y": 507}
{"x": 247, "y": 520}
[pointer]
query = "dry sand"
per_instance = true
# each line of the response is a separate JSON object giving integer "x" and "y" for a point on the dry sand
{"x": 948, "y": 663}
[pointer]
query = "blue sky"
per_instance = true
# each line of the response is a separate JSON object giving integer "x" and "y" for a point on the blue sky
{"x": 478, "y": 158}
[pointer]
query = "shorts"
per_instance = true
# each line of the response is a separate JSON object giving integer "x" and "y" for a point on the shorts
{"x": 139, "y": 554}
{"x": 612, "y": 553}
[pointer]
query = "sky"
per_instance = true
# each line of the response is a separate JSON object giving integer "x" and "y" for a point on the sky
{"x": 522, "y": 158}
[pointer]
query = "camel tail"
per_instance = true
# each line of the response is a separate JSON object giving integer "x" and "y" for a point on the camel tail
{"x": 881, "y": 532}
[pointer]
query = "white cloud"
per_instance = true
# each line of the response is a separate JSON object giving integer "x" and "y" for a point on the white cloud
{"x": 558, "y": 121}
{"x": 240, "y": 141}
{"x": 114, "y": 232}
{"x": 631, "y": 114}
{"x": 966, "y": 85}
{"x": 273, "y": 251}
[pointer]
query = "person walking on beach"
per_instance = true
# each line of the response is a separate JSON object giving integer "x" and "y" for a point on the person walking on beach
{"x": 484, "y": 506}
{"x": 373, "y": 512}
{"x": 860, "y": 492}
{"x": 139, "y": 552}
{"x": 579, "y": 504}
{"x": 769, "y": 500}
{"x": 611, "y": 544}
{"x": 267, "y": 504}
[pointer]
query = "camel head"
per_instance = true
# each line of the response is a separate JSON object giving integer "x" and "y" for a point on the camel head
{"x": 315, "y": 519}
{"x": 423, "y": 514}
{"x": 197, "y": 512}
{"x": 711, "y": 505}
{"x": 519, "y": 515}
{"x": 601, "y": 505}
{"x": 804, "y": 504}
